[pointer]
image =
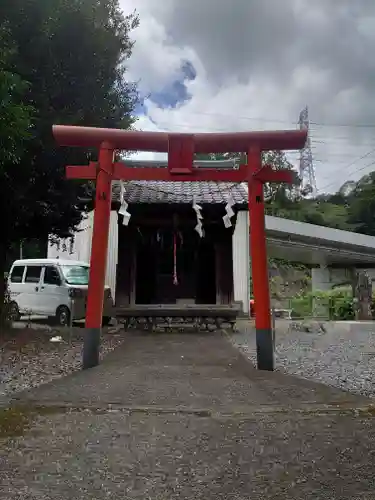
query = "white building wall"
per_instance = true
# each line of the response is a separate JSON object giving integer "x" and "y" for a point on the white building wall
{"x": 81, "y": 248}
{"x": 241, "y": 261}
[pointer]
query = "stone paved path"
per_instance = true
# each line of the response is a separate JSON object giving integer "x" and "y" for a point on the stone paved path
{"x": 186, "y": 417}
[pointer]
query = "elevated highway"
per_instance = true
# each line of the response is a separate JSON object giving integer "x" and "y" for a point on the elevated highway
{"x": 332, "y": 253}
{"x": 317, "y": 245}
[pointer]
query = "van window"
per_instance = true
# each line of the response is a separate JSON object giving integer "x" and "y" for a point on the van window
{"x": 51, "y": 276}
{"x": 33, "y": 274}
{"x": 76, "y": 275}
{"x": 17, "y": 274}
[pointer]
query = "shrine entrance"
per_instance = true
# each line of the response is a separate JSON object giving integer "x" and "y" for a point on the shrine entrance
{"x": 166, "y": 266}
{"x": 180, "y": 167}
{"x": 165, "y": 261}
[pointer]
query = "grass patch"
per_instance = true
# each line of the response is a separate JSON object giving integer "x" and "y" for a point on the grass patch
{"x": 14, "y": 421}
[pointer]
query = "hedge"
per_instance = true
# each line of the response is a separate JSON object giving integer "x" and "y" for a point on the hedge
{"x": 334, "y": 305}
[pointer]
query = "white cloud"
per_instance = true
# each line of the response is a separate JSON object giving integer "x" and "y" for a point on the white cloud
{"x": 156, "y": 61}
{"x": 258, "y": 64}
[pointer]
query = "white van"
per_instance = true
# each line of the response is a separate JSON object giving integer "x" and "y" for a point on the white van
{"x": 52, "y": 287}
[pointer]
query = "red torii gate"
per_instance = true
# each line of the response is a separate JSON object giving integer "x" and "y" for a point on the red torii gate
{"x": 181, "y": 149}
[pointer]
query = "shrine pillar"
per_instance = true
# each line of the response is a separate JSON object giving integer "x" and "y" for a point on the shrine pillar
{"x": 259, "y": 264}
{"x": 98, "y": 258}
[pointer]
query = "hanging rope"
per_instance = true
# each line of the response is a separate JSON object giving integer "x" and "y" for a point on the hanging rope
{"x": 175, "y": 234}
{"x": 175, "y": 278}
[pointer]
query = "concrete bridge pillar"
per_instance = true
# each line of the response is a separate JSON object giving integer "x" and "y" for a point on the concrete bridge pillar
{"x": 320, "y": 282}
{"x": 321, "y": 279}
{"x": 324, "y": 279}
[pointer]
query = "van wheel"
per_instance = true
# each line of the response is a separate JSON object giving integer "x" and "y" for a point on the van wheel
{"x": 106, "y": 320}
{"x": 14, "y": 312}
{"x": 63, "y": 316}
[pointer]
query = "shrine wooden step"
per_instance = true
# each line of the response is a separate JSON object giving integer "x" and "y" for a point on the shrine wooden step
{"x": 174, "y": 310}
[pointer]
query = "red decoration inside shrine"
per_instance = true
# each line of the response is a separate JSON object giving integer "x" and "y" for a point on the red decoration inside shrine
{"x": 175, "y": 277}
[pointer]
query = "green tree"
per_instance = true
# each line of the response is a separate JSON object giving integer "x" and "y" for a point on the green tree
{"x": 280, "y": 198}
{"x": 352, "y": 208}
{"x": 15, "y": 116}
{"x": 286, "y": 201}
{"x": 361, "y": 205}
{"x": 73, "y": 55}
{"x": 15, "y": 123}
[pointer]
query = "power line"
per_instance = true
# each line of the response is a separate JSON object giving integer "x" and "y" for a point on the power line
{"x": 350, "y": 173}
{"x": 343, "y": 125}
{"x": 317, "y": 142}
{"x": 274, "y": 120}
{"x": 239, "y": 117}
{"x": 350, "y": 165}
{"x": 314, "y": 140}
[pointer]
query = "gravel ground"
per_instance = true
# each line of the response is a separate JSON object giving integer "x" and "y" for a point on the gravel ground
{"x": 342, "y": 356}
{"x": 28, "y": 358}
{"x": 180, "y": 416}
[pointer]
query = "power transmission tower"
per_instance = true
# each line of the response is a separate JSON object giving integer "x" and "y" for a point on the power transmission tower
{"x": 306, "y": 165}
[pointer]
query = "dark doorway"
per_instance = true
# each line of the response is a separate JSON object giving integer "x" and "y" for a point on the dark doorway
{"x": 195, "y": 263}
{"x": 167, "y": 290}
{"x": 145, "y": 282}
{"x": 206, "y": 273}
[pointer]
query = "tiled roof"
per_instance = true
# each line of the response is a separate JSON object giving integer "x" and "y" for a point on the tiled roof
{"x": 181, "y": 192}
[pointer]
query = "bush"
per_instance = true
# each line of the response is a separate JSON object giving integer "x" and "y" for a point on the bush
{"x": 334, "y": 305}
{"x": 341, "y": 305}
{"x": 302, "y": 305}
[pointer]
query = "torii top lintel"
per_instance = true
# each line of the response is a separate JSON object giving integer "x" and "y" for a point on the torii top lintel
{"x": 220, "y": 142}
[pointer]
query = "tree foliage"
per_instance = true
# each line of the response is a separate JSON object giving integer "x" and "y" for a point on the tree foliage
{"x": 72, "y": 54}
{"x": 61, "y": 62}
{"x": 15, "y": 116}
{"x": 360, "y": 205}
{"x": 352, "y": 208}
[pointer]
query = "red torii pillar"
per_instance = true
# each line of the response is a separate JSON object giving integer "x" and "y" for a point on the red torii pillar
{"x": 181, "y": 149}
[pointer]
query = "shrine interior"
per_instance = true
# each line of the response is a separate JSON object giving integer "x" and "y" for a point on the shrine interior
{"x": 163, "y": 260}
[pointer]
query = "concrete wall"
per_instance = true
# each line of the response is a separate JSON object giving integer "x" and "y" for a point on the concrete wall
{"x": 326, "y": 278}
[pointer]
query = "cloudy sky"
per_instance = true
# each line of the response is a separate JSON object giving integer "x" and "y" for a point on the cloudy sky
{"x": 218, "y": 65}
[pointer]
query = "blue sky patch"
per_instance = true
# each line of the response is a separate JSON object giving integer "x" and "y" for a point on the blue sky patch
{"x": 175, "y": 93}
